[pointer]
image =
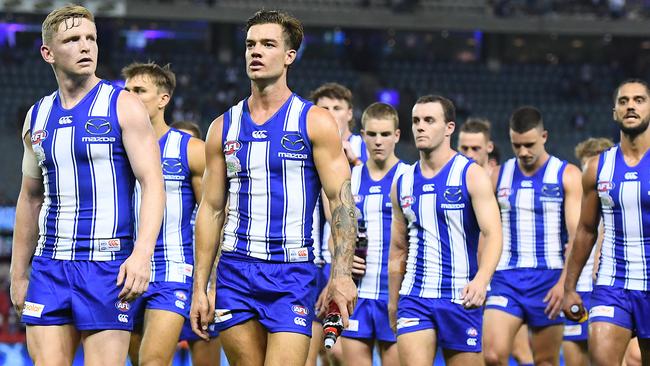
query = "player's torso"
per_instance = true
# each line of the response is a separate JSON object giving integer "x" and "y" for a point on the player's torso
{"x": 624, "y": 194}
{"x": 87, "y": 210}
{"x": 532, "y": 216}
{"x": 372, "y": 198}
{"x": 442, "y": 229}
{"x": 273, "y": 184}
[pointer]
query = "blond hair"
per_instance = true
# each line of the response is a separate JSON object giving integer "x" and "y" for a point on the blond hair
{"x": 380, "y": 110}
{"x": 592, "y": 147}
{"x": 70, "y": 14}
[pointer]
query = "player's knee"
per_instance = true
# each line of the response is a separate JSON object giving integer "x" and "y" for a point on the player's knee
{"x": 52, "y": 360}
{"x": 156, "y": 358}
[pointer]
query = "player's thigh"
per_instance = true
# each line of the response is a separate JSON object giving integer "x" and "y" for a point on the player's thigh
{"x": 357, "y": 351}
{"x": 545, "y": 343}
{"x": 632, "y": 353}
{"x": 499, "y": 330}
{"x": 607, "y": 343}
{"x": 286, "y": 349}
{"x": 160, "y": 336}
{"x": 105, "y": 347}
{"x": 417, "y": 348}
{"x": 644, "y": 347}
{"x": 521, "y": 346}
{"x": 389, "y": 354}
{"x": 134, "y": 346}
{"x": 458, "y": 358}
{"x": 206, "y": 353}
{"x": 245, "y": 343}
{"x": 315, "y": 344}
{"x": 575, "y": 353}
{"x": 52, "y": 344}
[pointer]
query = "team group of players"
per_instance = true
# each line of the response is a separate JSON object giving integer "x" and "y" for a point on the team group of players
{"x": 462, "y": 254}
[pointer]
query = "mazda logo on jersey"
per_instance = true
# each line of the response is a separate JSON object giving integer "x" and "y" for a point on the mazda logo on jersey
{"x": 98, "y": 127}
{"x": 172, "y": 166}
{"x": 453, "y": 194}
{"x": 551, "y": 190}
{"x": 293, "y": 142}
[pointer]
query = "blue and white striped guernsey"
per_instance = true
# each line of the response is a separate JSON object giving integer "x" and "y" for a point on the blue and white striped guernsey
{"x": 272, "y": 182}
{"x": 442, "y": 229}
{"x": 359, "y": 147}
{"x": 372, "y": 198}
{"x": 173, "y": 257}
{"x": 532, "y": 216}
{"x": 624, "y": 193}
{"x": 87, "y": 212}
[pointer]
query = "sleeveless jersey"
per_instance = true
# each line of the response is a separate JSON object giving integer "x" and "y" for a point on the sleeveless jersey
{"x": 372, "y": 198}
{"x": 273, "y": 184}
{"x": 442, "y": 229}
{"x": 532, "y": 216}
{"x": 624, "y": 194}
{"x": 359, "y": 147}
{"x": 88, "y": 182}
{"x": 173, "y": 256}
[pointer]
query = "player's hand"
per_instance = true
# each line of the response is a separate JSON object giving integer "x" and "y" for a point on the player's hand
{"x": 321, "y": 303}
{"x": 353, "y": 159}
{"x": 18, "y": 291}
{"x": 212, "y": 298}
{"x": 358, "y": 267}
{"x": 553, "y": 300}
{"x": 392, "y": 316}
{"x": 134, "y": 275}
{"x": 571, "y": 297}
{"x": 473, "y": 294}
{"x": 201, "y": 314}
{"x": 343, "y": 292}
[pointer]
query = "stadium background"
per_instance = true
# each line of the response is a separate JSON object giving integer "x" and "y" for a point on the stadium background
{"x": 489, "y": 56}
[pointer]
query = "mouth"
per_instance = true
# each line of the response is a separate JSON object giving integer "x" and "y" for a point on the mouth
{"x": 85, "y": 60}
{"x": 255, "y": 65}
{"x": 631, "y": 116}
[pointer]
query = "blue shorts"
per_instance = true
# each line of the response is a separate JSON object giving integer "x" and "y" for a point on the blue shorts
{"x": 520, "y": 292}
{"x": 175, "y": 297}
{"x": 82, "y": 293}
{"x": 626, "y": 308}
{"x": 457, "y": 328}
{"x": 574, "y": 331}
{"x": 188, "y": 335}
{"x": 370, "y": 321}
{"x": 281, "y": 296}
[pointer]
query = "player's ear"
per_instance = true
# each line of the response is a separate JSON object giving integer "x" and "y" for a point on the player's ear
{"x": 397, "y": 134}
{"x": 451, "y": 127}
{"x": 46, "y": 53}
{"x": 290, "y": 57}
{"x": 490, "y": 146}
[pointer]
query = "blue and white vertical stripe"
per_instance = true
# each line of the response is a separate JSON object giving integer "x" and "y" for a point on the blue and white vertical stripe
{"x": 87, "y": 177}
{"x": 532, "y": 216}
{"x": 624, "y": 194}
{"x": 372, "y": 198}
{"x": 273, "y": 184}
{"x": 442, "y": 229}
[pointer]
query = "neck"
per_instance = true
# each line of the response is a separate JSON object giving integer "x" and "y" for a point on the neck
{"x": 159, "y": 125}
{"x": 636, "y": 145}
{"x": 72, "y": 90}
{"x": 432, "y": 161}
{"x": 378, "y": 169}
{"x": 538, "y": 164}
{"x": 266, "y": 94}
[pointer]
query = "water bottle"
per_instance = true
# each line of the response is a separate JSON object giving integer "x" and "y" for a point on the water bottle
{"x": 577, "y": 310}
{"x": 332, "y": 325}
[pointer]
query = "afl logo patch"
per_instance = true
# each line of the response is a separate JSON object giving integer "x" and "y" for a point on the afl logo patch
{"x": 407, "y": 201}
{"x": 231, "y": 147}
{"x": 38, "y": 137}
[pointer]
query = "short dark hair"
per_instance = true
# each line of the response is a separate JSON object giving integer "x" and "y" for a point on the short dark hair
{"x": 332, "y": 91}
{"x": 495, "y": 155}
{"x": 526, "y": 118}
{"x": 631, "y": 81}
{"x": 477, "y": 125}
{"x": 380, "y": 110}
{"x": 291, "y": 26}
{"x": 446, "y": 104}
{"x": 190, "y": 126}
{"x": 162, "y": 76}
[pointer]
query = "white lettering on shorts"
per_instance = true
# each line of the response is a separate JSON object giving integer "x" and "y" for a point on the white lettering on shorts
{"x": 353, "y": 325}
{"x": 572, "y": 330}
{"x": 407, "y": 322}
{"x": 33, "y": 309}
{"x": 497, "y": 301}
{"x": 602, "y": 310}
{"x": 300, "y": 321}
{"x": 221, "y": 315}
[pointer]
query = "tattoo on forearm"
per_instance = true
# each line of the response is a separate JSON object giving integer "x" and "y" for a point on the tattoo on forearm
{"x": 344, "y": 232}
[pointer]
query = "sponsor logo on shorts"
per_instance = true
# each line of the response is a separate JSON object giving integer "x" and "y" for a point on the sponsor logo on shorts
{"x": 300, "y": 321}
{"x": 602, "y": 310}
{"x": 300, "y": 310}
{"x": 299, "y": 255}
{"x": 572, "y": 330}
{"x": 407, "y": 322}
{"x": 497, "y": 301}
{"x": 33, "y": 309}
{"x": 471, "y": 332}
{"x": 123, "y": 318}
{"x": 181, "y": 295}
{"x": 180, "y": 304}
{"x": 221, "y": 315}
{"x": 122, "y": 306}
{"x": 353, "y": 325}
{"x": 472, "y": 341}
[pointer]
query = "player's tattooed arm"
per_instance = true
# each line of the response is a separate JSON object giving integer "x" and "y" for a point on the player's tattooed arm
{"x": 344, "y": 232}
